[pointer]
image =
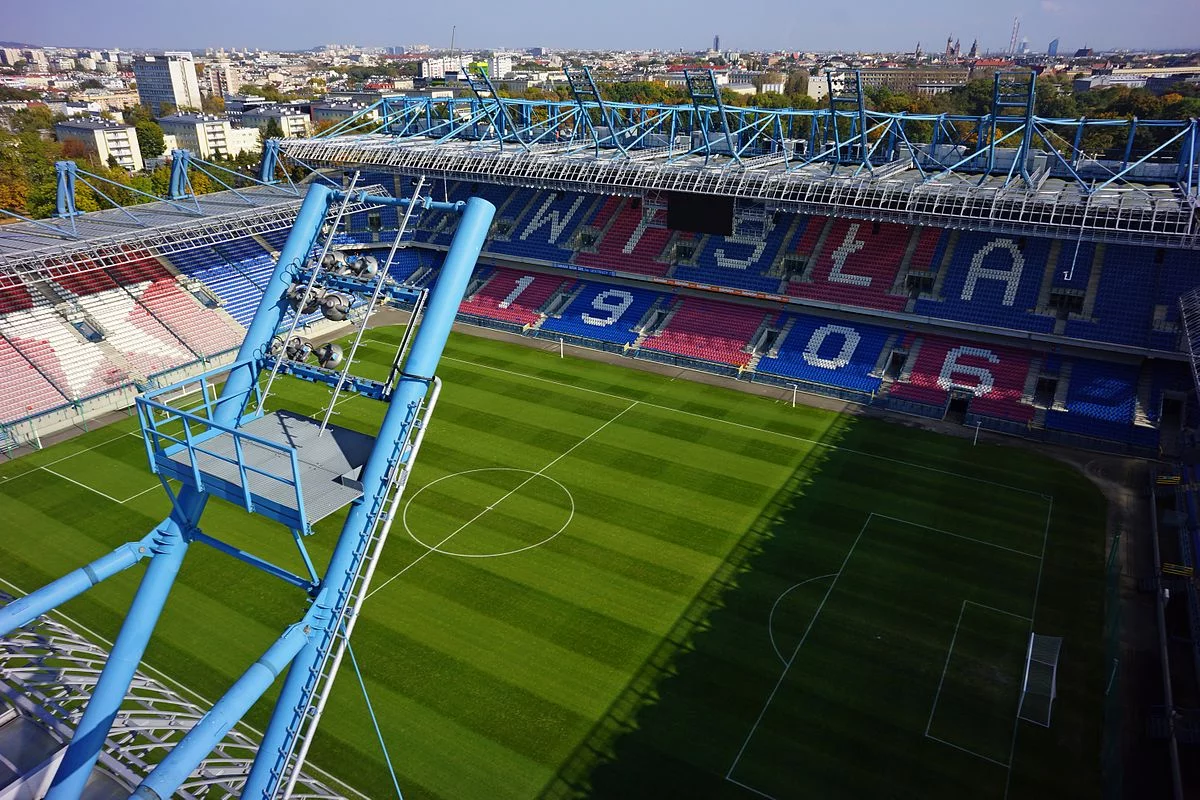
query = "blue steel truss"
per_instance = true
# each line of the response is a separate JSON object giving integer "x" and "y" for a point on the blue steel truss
{"x": 1007, "y": 170}
{"x": 498, "y": 114}
{"x": 288, "y": 468}
{"x": 846, "y": 124}
{"x": 605, "y": 131}
{"x": 710, "y": 116}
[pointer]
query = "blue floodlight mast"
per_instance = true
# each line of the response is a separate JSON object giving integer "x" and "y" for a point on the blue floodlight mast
{"x": 303, "y": 649}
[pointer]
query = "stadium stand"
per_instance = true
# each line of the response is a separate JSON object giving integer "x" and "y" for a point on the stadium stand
{"x": 512, "y": 296}
{"x": 76, "y": 367}
{"x": 24, "y": 390}
{"x": 1109, "y": 293}
{"x": 992, "y": 280}
{"x": 825, "y": 352}
{"x": 605, "y": 312}
{"x": 993, "y": 377}
{"x": 147, "y": 344}
{"x": 544, "y": 226}
{"x": 850, "y": 263}
{"x": 625, "y": 241}
{"x": 276, "y": 238}
{"x": 238, "y": 291}
{"x": 236, "y": 271}
{"x": 1123, "y": 297}
{"x": 709, "y": 330}
{"x": 1100, "y": 400}
{"x": 200, "y": 328}
{"x": 739, "y": 260}
{"x": 13, "y": 296}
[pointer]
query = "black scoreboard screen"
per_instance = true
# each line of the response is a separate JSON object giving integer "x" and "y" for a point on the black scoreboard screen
{"x": 700, "y": 213}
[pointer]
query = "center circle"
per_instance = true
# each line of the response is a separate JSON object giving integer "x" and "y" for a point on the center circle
{"x": 518, "y": 487}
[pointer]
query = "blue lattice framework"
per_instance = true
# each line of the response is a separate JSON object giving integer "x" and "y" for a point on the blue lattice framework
{"x": 289, "y": 468}
{"x": 1009, "y": 170}
{"x": 48, "y": 669}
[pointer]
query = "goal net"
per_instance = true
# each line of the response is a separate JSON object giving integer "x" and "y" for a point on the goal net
{"x": 1040, "y": 683}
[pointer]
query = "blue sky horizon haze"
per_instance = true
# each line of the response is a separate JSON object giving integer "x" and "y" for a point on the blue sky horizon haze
{"x": 872, "y": 25}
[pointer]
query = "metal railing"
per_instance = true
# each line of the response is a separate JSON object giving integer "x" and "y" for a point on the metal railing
{"x": 198, "y": 428}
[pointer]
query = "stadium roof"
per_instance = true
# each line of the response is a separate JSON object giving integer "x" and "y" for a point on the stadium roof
{"x": 1152, "y": 213}
{"x": 72, "y": 245}
{"x": 1034, "y": 178}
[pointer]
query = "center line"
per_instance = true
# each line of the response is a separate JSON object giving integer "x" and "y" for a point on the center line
{"x": 511, "y": 492}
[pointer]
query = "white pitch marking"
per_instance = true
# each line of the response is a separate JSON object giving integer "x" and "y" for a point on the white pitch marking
{"x": 532, "y": 475}
{"x": 751, "y": 427}
{"x": 945, "y": 667}
{"x": 771, "y": 615}
{"x": 72, "y": 455}
{"x": 139, "y": 494}
{"x": 960, "y": 536}
{"x": 999, "y": 610}
{"x": 787, "y": 667}
{"x": 1037, "y": 589}
{"x": 971, "y": 752}
{"x": 450, "y": 536}
{"x": 747, "y": 787}
{"x": 84, "y": 485}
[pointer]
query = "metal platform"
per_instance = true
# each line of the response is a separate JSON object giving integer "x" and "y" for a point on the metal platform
{"x": 234, "y": 466}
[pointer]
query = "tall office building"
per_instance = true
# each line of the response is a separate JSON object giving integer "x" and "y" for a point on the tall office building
{"x": 1052, "y": 50}
{"x": 167, "y": 79}
{"x": 716, "y": 44}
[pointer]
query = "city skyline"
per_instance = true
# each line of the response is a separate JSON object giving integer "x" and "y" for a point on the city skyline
{"x": 522, "y": 23}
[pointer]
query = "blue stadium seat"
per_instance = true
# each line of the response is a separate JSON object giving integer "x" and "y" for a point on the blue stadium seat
{"x": 544, "y": 226}
{"x": 739, "y": 261}
{"x": 604, "y": 312}
{"x": 1124, "y": 299}
{"x": 829, "y": 352}
{"x": 1100, "y": 400}
{"x": 238, "y": 283}
{"x": 993, "y": 280}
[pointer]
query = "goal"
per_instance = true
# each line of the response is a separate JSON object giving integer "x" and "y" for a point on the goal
{"x": 1039, "y": 685}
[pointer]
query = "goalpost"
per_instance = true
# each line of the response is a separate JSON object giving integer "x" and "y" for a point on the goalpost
{"x": 1039, "y": 686}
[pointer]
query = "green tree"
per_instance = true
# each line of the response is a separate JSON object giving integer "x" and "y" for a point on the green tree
{"x": 272, "y": 130}
{"x": 33, "y": 119}
{"x": 8, "y": 93}
{"x": 91, "y": 83}
{"x": 150, "y": 138}
{"x": 797, "y": 82}
{"x": 265, "y": 90}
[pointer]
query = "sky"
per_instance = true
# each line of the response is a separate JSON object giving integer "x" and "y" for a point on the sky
{"x": 865, "y": 25}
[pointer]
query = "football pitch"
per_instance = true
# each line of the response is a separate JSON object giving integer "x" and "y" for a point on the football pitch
{"x": 612, "y": 583}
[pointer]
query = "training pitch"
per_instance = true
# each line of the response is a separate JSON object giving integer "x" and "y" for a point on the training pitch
{"x": 611, "y": 583}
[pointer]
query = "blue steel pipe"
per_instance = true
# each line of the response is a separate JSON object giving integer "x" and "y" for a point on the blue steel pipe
{"x": 25, "y": 610}
{"x": 212, "y": 727}
{"x": 109, "y": 695}
{"x": 427, "y": 203}
{"x": 410, "y": 390}
{"x": 170, "y": 540}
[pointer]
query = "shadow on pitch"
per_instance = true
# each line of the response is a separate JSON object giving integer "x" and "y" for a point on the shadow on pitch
{"x": 676, "y": 727}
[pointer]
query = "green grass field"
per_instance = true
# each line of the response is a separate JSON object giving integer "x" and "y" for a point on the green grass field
{"x": 609, "y": 583}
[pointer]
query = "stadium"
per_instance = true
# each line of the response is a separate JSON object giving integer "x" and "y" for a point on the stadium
{"x": 773, "y": 453}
